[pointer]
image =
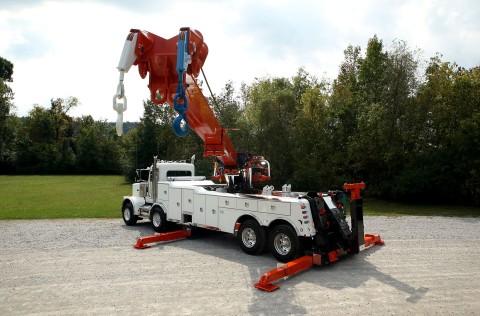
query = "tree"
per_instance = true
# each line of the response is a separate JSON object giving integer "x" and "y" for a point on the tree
{"x": 6, "y": 70}
{"x": 372, "y": 84}
{"x": 231, "y": 115}
{"x": 314, "y": 143}
{"x": 97, "y": 147}
{"x": 6, "y": 94}
{"x": 271, "y": 110}
{"x": 46, "y": 142}
{"x": 381, "y": 90}
{"x": 63, "y": 123}
{"x": 6, "y": 97}
{"x": 154, "y": 136}
{"x": 345, "y": 108}
{"x": 445, "y": 126}
{"x": 37, "y": 150}
{"x": 9, "y": 124}
{"x": 9, "y": 137}
{"x": 372, "y": 73}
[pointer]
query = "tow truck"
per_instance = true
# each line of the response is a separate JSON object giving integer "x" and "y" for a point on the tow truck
{"x": 299, "y": 228}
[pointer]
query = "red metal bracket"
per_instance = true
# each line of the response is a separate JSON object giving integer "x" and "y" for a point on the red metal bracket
{"x": 303, "y": 263}
{"x": 354, "y": 189}
{"x": 290, "y": 268}
{"x": 175, "y": 235}
{"x": 373, "y": 240}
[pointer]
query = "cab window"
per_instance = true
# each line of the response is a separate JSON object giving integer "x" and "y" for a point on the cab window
{"x": 179, "y": 173}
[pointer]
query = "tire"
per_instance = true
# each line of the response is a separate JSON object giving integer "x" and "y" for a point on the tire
{"x": 158, "y": 220}
{"x": 252, "y": 237}
{"x": 128, "y": 216}
{"x": 284, "y": 243}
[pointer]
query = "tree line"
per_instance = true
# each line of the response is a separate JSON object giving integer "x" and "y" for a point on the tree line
{"x": 410, "y": 128}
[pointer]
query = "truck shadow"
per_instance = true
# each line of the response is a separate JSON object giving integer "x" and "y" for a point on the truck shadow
{"x": 348, "y": 272}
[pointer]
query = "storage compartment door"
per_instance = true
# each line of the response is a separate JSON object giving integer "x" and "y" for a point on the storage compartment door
{"x": 163, "y": 192}
{"x": 278, "y": 208}
{"x": 187, "y": 201}
{"x": 211, "y": 208}
{"x": 175, "y": 204}
{"x": 199, "y": 210}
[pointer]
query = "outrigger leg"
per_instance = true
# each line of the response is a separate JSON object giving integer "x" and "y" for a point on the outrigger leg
{"x": 175, "y": 235}
{"x": 290, "y": 268}
{"x": 304, "y": 263}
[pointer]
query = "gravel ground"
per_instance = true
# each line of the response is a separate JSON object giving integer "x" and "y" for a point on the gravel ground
{"x": 429, "y": 265}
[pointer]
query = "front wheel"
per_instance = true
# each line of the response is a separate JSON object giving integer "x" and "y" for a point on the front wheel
{"x": 284, "y": 243}
{"x": 128, "y": 216}
{"x": 158, "y": 220}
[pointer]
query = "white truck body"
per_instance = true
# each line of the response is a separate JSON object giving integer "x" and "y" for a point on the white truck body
{"x": 194, "y": 201}
{"x": 289, "y": 222}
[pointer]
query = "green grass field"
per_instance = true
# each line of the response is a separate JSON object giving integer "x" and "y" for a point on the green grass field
{"x": 35, "y": 197}
{"x": 28, "y": 197}
{"x": 388, "y": 208}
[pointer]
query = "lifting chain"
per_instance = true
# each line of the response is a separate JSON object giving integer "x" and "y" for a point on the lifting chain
{"x": 120, "y": 104}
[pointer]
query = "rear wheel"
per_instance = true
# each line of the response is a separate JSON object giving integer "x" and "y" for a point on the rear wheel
{"x": 158, "y": 220}
{"x": 128, "y": 216}
{"x": 252, "y": 237}
{"x": 284, "y": 243}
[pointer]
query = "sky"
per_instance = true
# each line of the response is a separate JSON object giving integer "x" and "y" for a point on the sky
{"x": 72, "y": 47}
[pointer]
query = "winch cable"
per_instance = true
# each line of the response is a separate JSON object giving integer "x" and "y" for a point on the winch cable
{"x": 211, "y": 93}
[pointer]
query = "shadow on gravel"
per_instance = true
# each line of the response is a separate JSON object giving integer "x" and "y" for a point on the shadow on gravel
{"x": 225, "y": 246}
{"x": 144, "y": 228}
{"x": 353, "y": 271}
{"x": 348, "y": 272}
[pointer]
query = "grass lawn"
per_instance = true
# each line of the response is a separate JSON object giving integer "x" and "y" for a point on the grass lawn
{"x": 28, "y": 197}
{"x": 388, "y": 208}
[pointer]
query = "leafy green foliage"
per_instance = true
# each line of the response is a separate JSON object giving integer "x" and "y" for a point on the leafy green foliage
{"x": 154, "y": 136}
{"x": 271, "y": 110}
{"x": 52, "y": 142}
{"x": 8, "y": 123}
{"x": 97, "y": 147}
{"x": 6, "y": 70}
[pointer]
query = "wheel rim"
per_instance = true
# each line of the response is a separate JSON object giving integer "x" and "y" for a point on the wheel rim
{"x": 249, "y": 238}
{"x": 157, "y": 220}
{"x": 126, "y": 214}
{"x": 282, "y": 244}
